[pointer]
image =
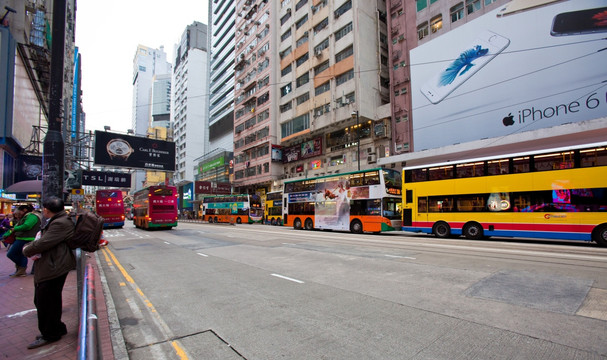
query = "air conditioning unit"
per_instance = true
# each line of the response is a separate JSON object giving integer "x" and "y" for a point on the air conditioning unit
{"x": 246, "y": 33}
{"x": 319, "y": 113}
{"x": 371, "y": 159}
{"x": 267, "y": 25}
{"x": 257, "y": 22}
{"x": 259, "y": 35}
{"x": 317, "y": 52}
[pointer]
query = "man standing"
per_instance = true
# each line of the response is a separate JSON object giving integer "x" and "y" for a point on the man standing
{"x": 25, "y": 232}
{"x": 54, "y": 263}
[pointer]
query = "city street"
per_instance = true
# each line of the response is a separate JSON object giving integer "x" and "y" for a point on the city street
{"x": 214, "y": 291}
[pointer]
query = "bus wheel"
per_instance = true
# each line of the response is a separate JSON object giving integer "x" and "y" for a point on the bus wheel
{"x": 356, "y": 227}
{"x": 297, "y": 224}
{"x": 238, "y": 220}
{"x": 273, "y": 222}
{"x": 441, "y": 230}
{"x": 309, "y": 224}
{"x": 599, "y": 235}
{"x": 473, "y": 231}
{"x": 210, "y": 220}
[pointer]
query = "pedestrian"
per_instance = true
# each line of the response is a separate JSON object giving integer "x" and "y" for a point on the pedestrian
{"x": 25, "y": 231}
{"x": 54, "y": 260}
{"x": 5, "y": 225}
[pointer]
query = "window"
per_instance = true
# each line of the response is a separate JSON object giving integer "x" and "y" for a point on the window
{"x": 436, "y": 23}
{"x": 296, "y": 125}
{"x": 301, "y": 21}
{"x": 340, "y": 79}
{"x": 284, "y": 19}
{"x": 320, "y": 47}
{"x": 300, "y": 3}
{"x": 347, "y": 52}
{"x": 321, "y": 25}
{"x": 303, "y": 98}
{"x": 322, "y": 67}
{"x": 304, "y": 79}
{"x": 421, "y": 4}
{"x": 286, "y": 70}
{"x": 285, "y": 89}
{"x": 285, "y": 107}
{"x": 472, "y": 6}
{"x": 263, "y": 98}
{"x": 302, "y": 59}
{"x": 342, "y": 9}
{"x": 263, "y": 82}
{"x": 489, "y": 2}
{"x": 343, "y": 31}
{"x": 286, "y": 35}
{"x": 302, "y": 40}
{"x": 284, "y": 53}
{"x": 457, "y": 12}
{"x": 322, "y": 88}
{"x": 422, "y": 30}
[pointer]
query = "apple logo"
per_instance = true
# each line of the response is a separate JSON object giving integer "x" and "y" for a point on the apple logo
{"x": 508, "y": 120}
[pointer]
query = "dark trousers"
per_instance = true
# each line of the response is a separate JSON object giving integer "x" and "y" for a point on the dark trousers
{"x": 49, "y": 303}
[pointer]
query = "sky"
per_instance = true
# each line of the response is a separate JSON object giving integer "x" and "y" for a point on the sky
{"x": 107, "y": 35}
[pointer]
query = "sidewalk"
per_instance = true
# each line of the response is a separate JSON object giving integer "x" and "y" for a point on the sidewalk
{"x": 19, "y": 324}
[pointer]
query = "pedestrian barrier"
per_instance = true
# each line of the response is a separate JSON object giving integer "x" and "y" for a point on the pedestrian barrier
{"x": 88, "y": 334}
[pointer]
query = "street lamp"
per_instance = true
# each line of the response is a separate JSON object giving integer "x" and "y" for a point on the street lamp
{"x": 355, "y": 116}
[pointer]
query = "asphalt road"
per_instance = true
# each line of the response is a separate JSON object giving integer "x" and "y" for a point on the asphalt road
{"x": 211, "y": 291}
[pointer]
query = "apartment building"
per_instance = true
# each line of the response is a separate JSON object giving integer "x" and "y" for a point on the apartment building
{"x": 312, "y": 90}
{"x": 190, "y": 100}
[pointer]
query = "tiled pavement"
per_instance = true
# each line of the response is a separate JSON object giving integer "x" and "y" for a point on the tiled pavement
{"x": 19, "y": 324}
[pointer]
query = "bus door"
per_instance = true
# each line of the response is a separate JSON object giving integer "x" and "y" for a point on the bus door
{"x": 414, "y": 212}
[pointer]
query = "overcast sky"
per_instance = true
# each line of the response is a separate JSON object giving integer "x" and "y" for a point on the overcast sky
{"x": 107, "y": 35}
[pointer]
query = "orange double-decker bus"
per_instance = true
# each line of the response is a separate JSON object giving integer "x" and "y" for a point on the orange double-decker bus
{"x": 360, "y": 201}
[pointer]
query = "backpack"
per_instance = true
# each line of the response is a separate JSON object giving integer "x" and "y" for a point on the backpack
{"x": 87, "y": 233}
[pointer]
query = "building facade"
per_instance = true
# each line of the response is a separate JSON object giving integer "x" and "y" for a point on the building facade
{"x": 222, "y": 31}
{"x": 147, "y": 64}
{"x": 312, "y": 90}
{"x": 161, "y": 101}
{"x": 190, "y": 100}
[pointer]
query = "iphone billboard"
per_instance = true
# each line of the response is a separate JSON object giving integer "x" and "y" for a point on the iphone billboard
{"x": 511, "y": 70}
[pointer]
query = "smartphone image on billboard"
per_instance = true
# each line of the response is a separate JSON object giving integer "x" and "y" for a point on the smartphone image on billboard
{"x": 484, "y": 48}
{"x": 580, "y": 22}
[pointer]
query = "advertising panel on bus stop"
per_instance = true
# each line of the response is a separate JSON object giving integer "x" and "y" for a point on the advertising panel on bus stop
{"x": 134, "y": 152}
{"x": 524, "y": 66}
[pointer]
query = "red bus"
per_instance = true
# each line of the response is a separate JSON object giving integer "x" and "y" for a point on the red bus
{"x": 155, "y": 207}
{"x": 109, "y": 205}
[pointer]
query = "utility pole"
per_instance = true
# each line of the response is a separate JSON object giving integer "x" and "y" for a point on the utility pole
{"x": 53, "y": 149}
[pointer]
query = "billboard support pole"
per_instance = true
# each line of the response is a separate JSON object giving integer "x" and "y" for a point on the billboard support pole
{"x": 53, "y": 148}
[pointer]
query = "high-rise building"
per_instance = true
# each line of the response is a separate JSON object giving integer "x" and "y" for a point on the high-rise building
{"x": 222, "y": 30}
{"x": 190, "y": 100}
{"x": 161, "y": 101}
{"x": 148, "y": 63}
{"x": 312, "y": 90}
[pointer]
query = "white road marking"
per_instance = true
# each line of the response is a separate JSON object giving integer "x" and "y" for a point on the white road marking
{"x": 168, "y": 243}
{"x": 288, "y": 278}
{"x": 21, "y": 313}
{"x": 201, "y": 254}
{"x": 400, "y": 257}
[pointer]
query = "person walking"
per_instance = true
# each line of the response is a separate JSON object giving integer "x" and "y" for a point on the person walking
{"x": 25, "y": 232}
{"x": 54, "y": 260}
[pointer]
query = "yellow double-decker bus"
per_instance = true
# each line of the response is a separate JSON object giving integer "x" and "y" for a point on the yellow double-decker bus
{"x": 272, "y": 209}
{"x": 553, "y": 194}
{"x": 360, "y": 201}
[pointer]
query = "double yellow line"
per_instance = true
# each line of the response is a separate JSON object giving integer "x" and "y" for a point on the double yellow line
{"x": 111, "y": 260}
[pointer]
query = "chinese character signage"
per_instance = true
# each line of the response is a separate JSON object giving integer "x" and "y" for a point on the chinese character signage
{"x": 134, "y": 152}
{"x": 109, "y": 179}
{"x": 208, "y": 187}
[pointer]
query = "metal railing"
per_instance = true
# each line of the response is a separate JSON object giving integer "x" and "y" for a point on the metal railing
{"x": 88, "y": 334}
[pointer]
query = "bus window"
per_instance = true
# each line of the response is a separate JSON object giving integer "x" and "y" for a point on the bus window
{"x": 593, "y": 157}
{"x": 356, "y": 180}
{"x": 521, "y": 165}
{"x": 372, "y": 178}
{"x": 470, "y": 203}
{"x": 417, "y": 175}
{"x": 470, "y": 170}
{"x": 497, "y": 167}
{"x": 422, "y": 205}
{"x": 556, "y": 161}
{"x": 440, "y": 173}
{"x": 440, "y": 204}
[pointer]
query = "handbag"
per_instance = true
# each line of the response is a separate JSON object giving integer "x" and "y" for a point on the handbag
{"x": 9, "y": 239}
